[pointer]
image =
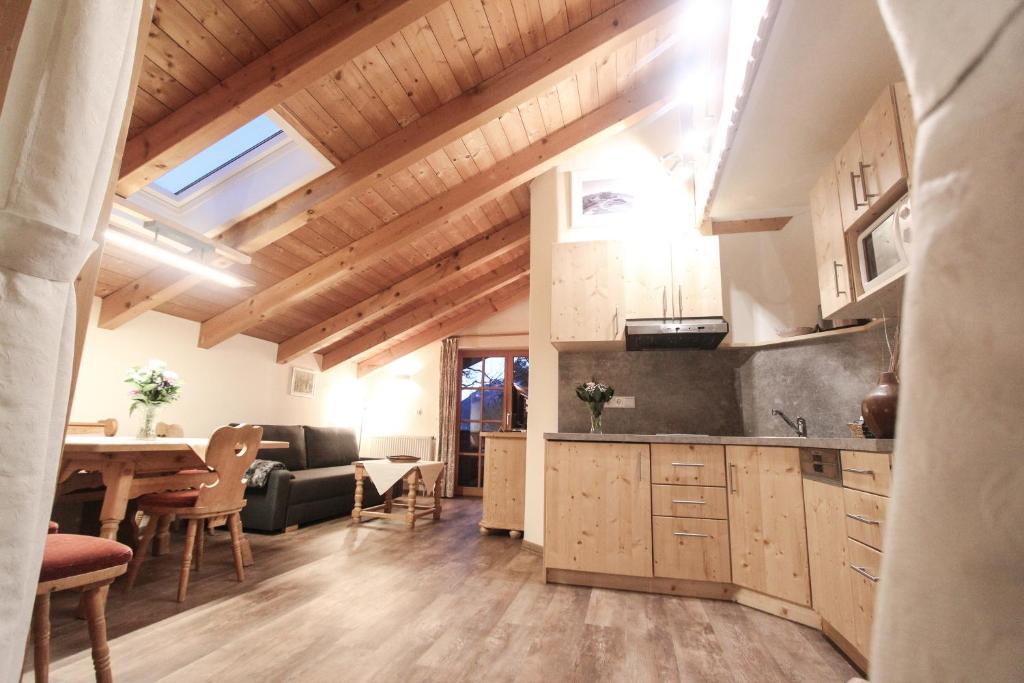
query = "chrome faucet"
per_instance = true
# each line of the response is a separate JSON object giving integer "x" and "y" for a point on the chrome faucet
{"x": 800, "y": 427}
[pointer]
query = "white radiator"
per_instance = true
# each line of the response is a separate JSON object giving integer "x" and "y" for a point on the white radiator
{"x": 383, "y": 446}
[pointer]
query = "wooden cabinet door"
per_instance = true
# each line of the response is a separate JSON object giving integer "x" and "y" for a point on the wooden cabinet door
{"x": 688, "y": 464}
{"x": 852, "y": 203}
{"x": 696, "y": 277}
{"x": 767, "y": 531}
{"x": 831, "y": 588}
{"x": 504, "y": 483}
{"x": 647, "y": 278}
{"x": 597, "y": 508}
{"x": 587, "y": 301}
{"x": 696, "y": 549}
{"x": 908, "y": 126}
{"x": 830, "y": 245}
{"x": 863, "y": 571}
{"x": 885, "y": 170}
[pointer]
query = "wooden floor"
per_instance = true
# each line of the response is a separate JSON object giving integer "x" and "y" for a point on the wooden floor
{"x": 335, "y": 603}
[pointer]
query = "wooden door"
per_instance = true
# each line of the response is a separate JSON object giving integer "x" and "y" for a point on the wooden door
{"x": 587, "y": 292}
{"x": 885, "y": 169}
{"x": 767, "y": 531}
{"x": 597, "y": 508}
{"x": 852, "y": 202}
{"x": 696, "y": 276}
{"x": 831, "y": 588}
{"x": 830, "y": 245}
{"x": 493, "y": 386}
{"x": 647, "y": 278}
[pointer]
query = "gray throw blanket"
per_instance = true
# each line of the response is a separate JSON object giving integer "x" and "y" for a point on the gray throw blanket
{"x": 258, "y": 474}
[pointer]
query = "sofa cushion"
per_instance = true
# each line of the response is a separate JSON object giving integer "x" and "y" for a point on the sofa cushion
{"x": 293, "y": 457}
{"x": 319, "y": 483}
{"x": 330, "y": 446}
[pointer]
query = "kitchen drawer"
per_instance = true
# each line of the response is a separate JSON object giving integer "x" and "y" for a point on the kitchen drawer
{"x": 688, "y": 464}
{"x": 696, "y": 549}
{"x": 865, "y": 517}
{"x": 863, "y": 563}
{"x": 689, "y": 501}
{"x": 865, "y": 471}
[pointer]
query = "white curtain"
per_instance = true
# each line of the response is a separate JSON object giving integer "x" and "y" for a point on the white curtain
{"x": 951, "y": 600}
{"x": 58, "y": 135}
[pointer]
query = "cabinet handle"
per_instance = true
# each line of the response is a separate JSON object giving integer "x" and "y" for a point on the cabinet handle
{"x": 680, "y": 297}
{"x": 836, "y": 265}
{"x": 854, "y": 177}
{"x": 863, "y": 572}
{"x": 732, "y": 478}
{"x": 689, "y": 533}
{"x": 615, "y": 323}
{"x": 687, "y": 464}
{"x": 664, "y": 302}
{"x": 865, "y": 520}
{"x": 690, "y": 502}
{"x": 858, "y": 470}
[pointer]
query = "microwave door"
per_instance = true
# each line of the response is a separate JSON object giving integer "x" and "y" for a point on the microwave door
{"x": 881, "y": 250}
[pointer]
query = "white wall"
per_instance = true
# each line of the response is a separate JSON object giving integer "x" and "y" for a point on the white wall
{"x": 769, "y": 281}
{"x": 240, "y": 380}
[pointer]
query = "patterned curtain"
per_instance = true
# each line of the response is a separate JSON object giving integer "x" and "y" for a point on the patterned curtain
{"x": 448, "y": 435}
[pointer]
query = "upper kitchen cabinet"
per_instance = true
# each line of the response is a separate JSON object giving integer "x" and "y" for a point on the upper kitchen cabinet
{"x": 588, "y": 303}
{"x": 871, "y": 168}
{"x": 833, "y": 264}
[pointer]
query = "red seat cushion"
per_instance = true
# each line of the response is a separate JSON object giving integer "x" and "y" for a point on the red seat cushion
{"x": 178, "y": 499}
{"x": 70, "y": 554}
{"x": 53, "y": 528}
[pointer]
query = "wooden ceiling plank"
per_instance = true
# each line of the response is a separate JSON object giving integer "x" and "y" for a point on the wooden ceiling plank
{"x": 323, "y": 195}
{"x": 607, "y": 80}
{"x": 162, "y": 85}
{"x": 477, "y": 30}
{"x": 556, "y": 19}
{"x": 551, "y": 109}
{"x": 385, "y": 83}
{"x": 261, "y": 85}
{"x": 533, "y": 122}
{"x": 428, "y": 309}
{"x": 420, "y": 38}
{"x": 586, "y": 84}
{"x": 577, "y": 12}
{"x": 332, "y": 98}
{"x": 569, "y": 100}
{"x": 467, "y": 316}
{"x": 452, "y": 41}
{"x": 479, "y": 151}
{"x": 496, "y": 139}
{"x": 502, "y": 19}
{"x": 625, "y": 63}
{"x": 399, "y": 294}
{"x": 432, "y": 216}
{"x": 323, "y": 140}
{"x": 227, "y": 28}
{"x": 400, "y": 59}
{"x": 515, "y": 130}
{"x": 173, "y": 59}
{"x": 261, "y": 18}
{"x": 531, "y": 24}
{"x": 190, "y": 34}
{"x": 298, "y": 14}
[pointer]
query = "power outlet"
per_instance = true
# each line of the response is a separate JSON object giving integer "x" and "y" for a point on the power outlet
{"x": 622, "y": 402}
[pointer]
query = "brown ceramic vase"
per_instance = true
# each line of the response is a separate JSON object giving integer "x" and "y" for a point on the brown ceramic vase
{"x": 879, "y": 406}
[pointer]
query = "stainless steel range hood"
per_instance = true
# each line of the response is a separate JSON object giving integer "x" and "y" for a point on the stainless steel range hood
{"x": 643, "y": 334}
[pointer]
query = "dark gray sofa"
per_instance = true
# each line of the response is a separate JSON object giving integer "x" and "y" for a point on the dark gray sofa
{"x": 319, "y": 481}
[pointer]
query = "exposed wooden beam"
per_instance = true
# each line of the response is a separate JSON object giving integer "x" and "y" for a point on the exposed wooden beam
{"x": 428, "y": 310}
{"x": 425, "y": 219}
{"x": 527, "y": 78}
{"x": 470, "y": 315}
{"x": 262, "y": 84}
{"x": 473, "y": 255}
{"x": 749, "y": 225}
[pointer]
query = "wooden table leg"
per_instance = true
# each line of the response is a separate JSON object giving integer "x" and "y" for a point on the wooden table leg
{"x": 410, "y": 516}
{"x": 358, "y": 508}
{"x": 117, "y": 477}
{"x": 247, "y": 560}
{"x": 389, "y": 499}
{"x": 162, "y": 542}
{"x": 438, "y": 485}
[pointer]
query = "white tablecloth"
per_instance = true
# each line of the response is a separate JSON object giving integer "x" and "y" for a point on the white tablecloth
{"x": 384, "y": 473}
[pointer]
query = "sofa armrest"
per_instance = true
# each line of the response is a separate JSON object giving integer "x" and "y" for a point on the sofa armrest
{"x": 266, "y": 509}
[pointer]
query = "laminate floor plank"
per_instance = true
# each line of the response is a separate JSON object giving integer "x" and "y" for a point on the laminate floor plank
{"x": 335, "y": 602}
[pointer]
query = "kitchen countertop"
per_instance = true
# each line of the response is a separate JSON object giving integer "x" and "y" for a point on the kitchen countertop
{"x": 849, "y": 444}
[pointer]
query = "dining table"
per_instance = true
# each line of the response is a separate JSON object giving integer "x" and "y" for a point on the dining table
{"x": 129, "y": 467}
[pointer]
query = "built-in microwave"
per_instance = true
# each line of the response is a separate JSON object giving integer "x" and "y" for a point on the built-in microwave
{"x": 884, "y": 247}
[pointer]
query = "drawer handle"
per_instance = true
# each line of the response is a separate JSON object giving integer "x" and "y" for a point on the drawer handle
{"x": 690, "y": 502}
{"x": 862, "y": 518}
{"x": 863, "y": 572}
{"x": 687, "y": 464}
{"x": 858, "y": 470}
{"x": 690, "y": 533}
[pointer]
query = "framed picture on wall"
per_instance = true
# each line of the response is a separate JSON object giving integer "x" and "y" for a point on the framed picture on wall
{"x": 303, "y": 382}
{"x": 601, "y": 197}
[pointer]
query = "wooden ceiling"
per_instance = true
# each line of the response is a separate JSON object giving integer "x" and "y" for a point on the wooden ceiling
{"x": 436, "y": 119}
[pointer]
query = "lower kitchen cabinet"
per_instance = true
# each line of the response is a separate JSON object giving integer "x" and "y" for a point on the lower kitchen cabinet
{"x": 696, "y": 549}
{"x": 597, "y": 500}
{"x": 863, "y": 563}
{"x": 767, "y": 532}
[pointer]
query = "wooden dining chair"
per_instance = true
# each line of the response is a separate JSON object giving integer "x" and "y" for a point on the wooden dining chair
{"x": 230, "y": 452}
{"x": 83, "y": 563}
{"x": 106, "y": 427}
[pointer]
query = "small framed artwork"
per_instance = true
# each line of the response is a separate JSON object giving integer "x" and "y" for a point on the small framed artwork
{"x": 599, "y": 198}
{"x": 303, "y": 382}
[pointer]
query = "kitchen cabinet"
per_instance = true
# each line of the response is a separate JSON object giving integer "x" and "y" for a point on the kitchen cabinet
{"x": 695, "y": 549}
{"x": 504, "y": 482}
{"x": 866, "y": 471}
{"x": 833, "y": 265}
{"x": 767, "y": 531}
{"x": 865, "y": 517}
{"x": 831, "y": 585}
{"x": 596, "y": 286}
{"x": 863, "y": 565}
{"x": 588, "y": 301}
{"x": 688, "y": 464}
{"x": 689, "y": 501}
{"x": 597, "y": 516}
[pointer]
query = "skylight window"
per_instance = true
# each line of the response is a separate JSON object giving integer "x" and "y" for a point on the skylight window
{"x": 220, "y": 154}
